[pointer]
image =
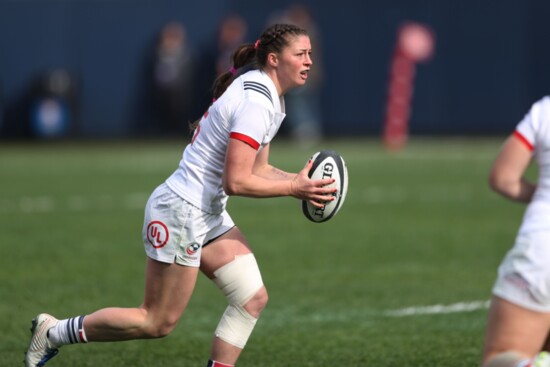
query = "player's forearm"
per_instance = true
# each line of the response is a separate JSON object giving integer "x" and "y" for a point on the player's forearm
{"x": 258, "y": 187}
{"x": 270, "y": 172}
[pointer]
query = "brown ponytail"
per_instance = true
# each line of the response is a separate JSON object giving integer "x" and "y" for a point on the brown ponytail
{"x": 245, "y": 55}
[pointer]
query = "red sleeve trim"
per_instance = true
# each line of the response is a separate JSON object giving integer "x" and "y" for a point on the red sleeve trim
{"x": 524, "y": 140}
{"x": 246, "y": 139}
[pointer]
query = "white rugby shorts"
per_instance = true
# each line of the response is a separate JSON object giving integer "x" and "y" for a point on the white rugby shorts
{"x": 175, "y": 230}
{"x": 524, "y": 274}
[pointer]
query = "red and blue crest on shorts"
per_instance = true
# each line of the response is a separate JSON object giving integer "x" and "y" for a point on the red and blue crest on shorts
{"x": 192, "y": 248}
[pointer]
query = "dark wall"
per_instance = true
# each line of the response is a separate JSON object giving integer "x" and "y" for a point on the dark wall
{"x": 489, "y": 65}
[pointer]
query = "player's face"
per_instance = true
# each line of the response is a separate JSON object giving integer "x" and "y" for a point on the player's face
{"x": 295, "y": 62}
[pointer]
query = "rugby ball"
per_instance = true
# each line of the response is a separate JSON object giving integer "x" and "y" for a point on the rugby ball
{"x": 327, "y": 164}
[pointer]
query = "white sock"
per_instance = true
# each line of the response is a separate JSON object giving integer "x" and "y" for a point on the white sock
{"x": 524, "y": 363}
{"x": 68, "y": 331}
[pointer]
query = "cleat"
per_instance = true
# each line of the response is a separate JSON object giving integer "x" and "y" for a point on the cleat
{"x": 41, "y": 350}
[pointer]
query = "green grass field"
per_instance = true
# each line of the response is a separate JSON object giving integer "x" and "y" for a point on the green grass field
{"x": 419, "y": 228}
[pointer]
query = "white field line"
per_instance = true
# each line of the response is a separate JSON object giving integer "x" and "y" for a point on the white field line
{"x": 277, "y": 318}
{"x": 460, "y": 307}
{"x": 73, "y": 203}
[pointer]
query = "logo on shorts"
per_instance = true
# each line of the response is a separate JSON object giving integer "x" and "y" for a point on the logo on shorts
{"x": 192, "y": 248}
{"x": 517, "y": 280}
{"x": 157, "y": 234}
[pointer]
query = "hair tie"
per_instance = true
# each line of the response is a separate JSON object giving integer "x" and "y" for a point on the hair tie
{"x": 257, "y": 44}
{"x": 232, "y": 70}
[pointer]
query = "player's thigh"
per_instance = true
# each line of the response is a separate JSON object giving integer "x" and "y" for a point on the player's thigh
{"x": 168, "y": 288}
{"x": 511, "y": 327}
{"x": 223, "y": 250}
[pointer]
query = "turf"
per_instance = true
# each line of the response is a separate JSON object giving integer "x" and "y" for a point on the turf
{"x": 419, "y": 228}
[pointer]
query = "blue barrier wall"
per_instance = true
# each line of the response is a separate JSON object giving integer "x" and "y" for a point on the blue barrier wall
{"x": 489, "y": 65}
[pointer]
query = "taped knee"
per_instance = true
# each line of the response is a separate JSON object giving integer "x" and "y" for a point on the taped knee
{"x": 239, "y": 281}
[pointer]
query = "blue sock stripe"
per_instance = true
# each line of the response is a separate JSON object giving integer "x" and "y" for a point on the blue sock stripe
{"x": 73, "y": 329}
{"x": 69, "y": 331}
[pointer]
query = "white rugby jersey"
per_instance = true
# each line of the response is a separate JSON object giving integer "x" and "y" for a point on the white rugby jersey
{"x": 249, "y": 110}
{"x": 534, "y": 132}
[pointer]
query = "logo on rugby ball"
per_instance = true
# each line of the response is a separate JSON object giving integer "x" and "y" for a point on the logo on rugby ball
{"x": 327, "y": 164}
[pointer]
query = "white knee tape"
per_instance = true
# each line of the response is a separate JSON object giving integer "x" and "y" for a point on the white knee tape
{"x": 239, "y": 281}
{"x": 235, "y": 326}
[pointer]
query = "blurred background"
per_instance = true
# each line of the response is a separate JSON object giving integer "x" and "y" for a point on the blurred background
{"x": 119, "y": 68}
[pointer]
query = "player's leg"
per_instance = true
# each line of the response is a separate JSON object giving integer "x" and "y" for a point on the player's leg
{"x": 229, "y": 262}
{"x": 169, "y": 227}
{"x": 513, "y": 334}
{"x": 168, "y": 288}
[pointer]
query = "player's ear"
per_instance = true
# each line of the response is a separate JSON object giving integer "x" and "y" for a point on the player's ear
{"x": 273, "y": 59}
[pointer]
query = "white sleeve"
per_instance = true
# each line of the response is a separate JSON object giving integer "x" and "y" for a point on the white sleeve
{"x": 251, "y": 122}
{"x": 537, "y": 117}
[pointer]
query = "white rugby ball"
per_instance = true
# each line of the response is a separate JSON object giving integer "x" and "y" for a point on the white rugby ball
{"x": 327, "y": 164}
